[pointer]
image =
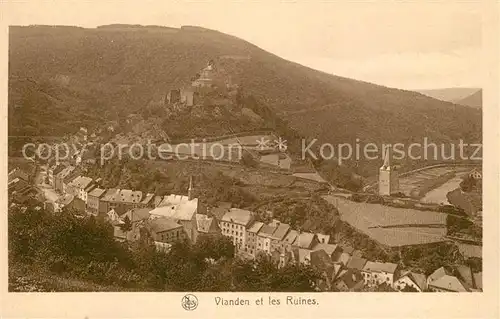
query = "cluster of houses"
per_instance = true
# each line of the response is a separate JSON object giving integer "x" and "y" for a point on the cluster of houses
{"x": 19, "y": 186}
{"x": 164, "y": 220}
{"x": 342, "y": 268}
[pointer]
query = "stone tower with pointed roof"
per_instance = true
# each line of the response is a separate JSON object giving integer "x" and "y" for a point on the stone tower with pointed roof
{"x": 388, "y": 179}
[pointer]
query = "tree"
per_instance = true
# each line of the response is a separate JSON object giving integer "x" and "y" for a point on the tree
{"x": 468, "y": 183}
{"x": 127, "y": 224}
{"x": 215, "y": 247}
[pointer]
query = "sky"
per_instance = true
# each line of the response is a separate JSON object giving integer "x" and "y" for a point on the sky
{"x": 404, "y": 44}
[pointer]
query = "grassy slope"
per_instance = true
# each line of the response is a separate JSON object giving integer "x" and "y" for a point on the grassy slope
{"x": 125, "y": 67}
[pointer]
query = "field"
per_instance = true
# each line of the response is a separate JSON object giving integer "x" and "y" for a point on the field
{"x": 392, "y": 226}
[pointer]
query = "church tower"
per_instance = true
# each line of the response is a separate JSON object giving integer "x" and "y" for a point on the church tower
{"x": 190, "y": 189}
{"x": 388, "y": 179}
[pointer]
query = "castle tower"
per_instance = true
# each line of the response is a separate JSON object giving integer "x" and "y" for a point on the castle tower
{"x": 190, "y": 189}
{"x": 388, "y": 179}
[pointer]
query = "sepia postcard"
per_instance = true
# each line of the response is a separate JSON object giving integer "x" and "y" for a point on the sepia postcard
{"x": 276, "y": 159}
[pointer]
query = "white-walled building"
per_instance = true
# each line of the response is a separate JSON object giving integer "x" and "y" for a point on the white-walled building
{"x": 234, "y": 224}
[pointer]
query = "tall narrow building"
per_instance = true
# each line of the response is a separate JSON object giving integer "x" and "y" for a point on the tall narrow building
{"x": 388, "y": 179}
{"x": 190, "y": 189}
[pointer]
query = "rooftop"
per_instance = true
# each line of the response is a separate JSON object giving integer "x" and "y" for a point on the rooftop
{"x": 110, "y": 194}
{"x": 204, "y": 223}
{"x": 173, "y": 199}
{"x": 138, "y": 214}
{"x": 128, "y": 196}
{"x": 81, "y": 182}
{"x": 291, "y": 236}
{"x": 379, "y": 267}
{"x": 322, "y": 238}
{"x": 238, "y": 216}
{"x": 97, "y": 192}
{"x": 304, "y": 240}
{"x": 450, "y": 283}
{"x": 357, "y": 263}
{"x": 438, "y": 273}
{"x": 65, "y": 172}
{"x": 255, "y": 227}
{"x": 183, "y": 210}
{"x": 419, "y": 279}
{"x": 351, "y": 277}
{"x": 65, "y": 199}
{"x": 281, "y": 231}
{"x": 147, "y": 199}
{"x": 159, "y": 225}
{"x": 267, "y": 231}
{"x": 328, "y": 248}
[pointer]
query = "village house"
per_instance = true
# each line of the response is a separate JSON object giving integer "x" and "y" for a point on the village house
{"x": 251, "y": 243}
{"x": 349, "y": 280}
{"x": 19, "y": 187}
{"x": 148, "y": 200}
{"x": 126, "y": 199}
{"x": 264, "y": 238}
{"x": 357, "y": 263}
{"x": 80, "y": 187}
{"x": 106, "y": 200}
{"x": 52, "y": 173}
{"x": 278, "y": 236}
{"x": 321, "y": 261}
{"x": 334, "y": 251}
{"x": 323, "y": 239}
{"x": 411, "y": 280}
{"x": 290, "y": 238}
{"x": 376, "y": 273}
{"x": 301, "y": 255}
{"x": 220, "y": 210}
{"x": 465, "y": 275}
{"x": 442, "y": 280}
{"x": 136, "y": 218}
{"x": 94, "y": 202}
{"x": 206, "y": 225}
{"x": 18, "y": 173}
{"x": 63, "y": 177}
{"x": 182, "y": 209}
{"x": 234, "y": 224}
{"x": 70, "y": 202}
{"x": 165, "y": 230}
{"x": 282, "y": 257}
{"x": 121, "y": 200}
{"x": 306, "y": 240}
